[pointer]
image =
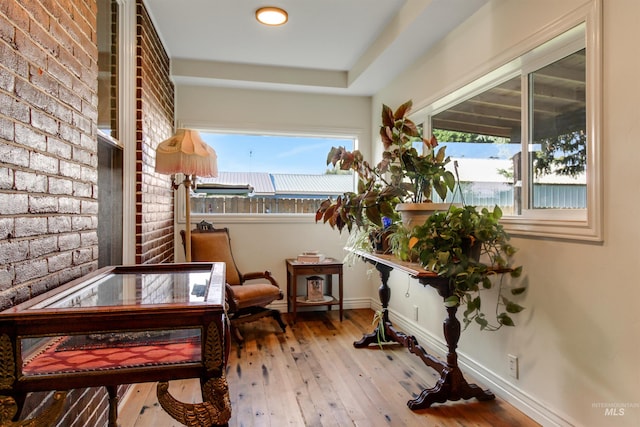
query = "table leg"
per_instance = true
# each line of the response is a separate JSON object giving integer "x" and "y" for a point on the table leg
{"x": 451, "y": 385}
{"x": 294, "y": 295}
{"x": 113, "y": 405}
{"x": 11, "y": 407}
{"x": 215, "y": 408}
{"x": 329, "y": 288}
{"x": 340, "y": 292}
{"x": 384, "y": 292}
{"x": 288, "y": 290}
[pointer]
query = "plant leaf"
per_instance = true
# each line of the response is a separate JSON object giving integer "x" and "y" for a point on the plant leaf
{"x": 373, "y": 214}
{"x": 441, "y": 189}
{"x": 516, "y": 272}
{"x": 512, "y": 307}
{"x": 504, "y": 319}
{"x": 482, "y": 322}
{"x": 518, "y": 291}
{"x": 403, "y": 110}
{"x": 387, "y": 116}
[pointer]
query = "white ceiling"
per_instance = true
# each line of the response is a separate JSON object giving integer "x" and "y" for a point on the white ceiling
{"x": 352, "y": 47}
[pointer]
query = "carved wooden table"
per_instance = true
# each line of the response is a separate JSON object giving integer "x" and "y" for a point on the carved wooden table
{"x": 121, "y": 325}
{"x": 452, "y": 384}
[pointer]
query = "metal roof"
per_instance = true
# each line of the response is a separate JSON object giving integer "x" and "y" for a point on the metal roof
{"x": 265, "y": 184}
{"x": 313, "y": 184}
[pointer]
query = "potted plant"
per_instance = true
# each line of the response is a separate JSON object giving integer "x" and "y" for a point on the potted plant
{"x": 374, "y": 198}
{"x": 416, "y": 174}
{"x": 469, "y": 247}
{"x": 403, "y": 175}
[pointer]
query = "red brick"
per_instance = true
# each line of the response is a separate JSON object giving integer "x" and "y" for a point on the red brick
{"x": 15, "y": 13}
{"x": 13, "y": 155}
{"x": 30, "y": 270}
{"x": 14, "y": 108}
{"x": 44, "y": 122}
{"x": 42, "y": 37}
{"x": 28, "y": 137}
{"x": 30, "y": 182}
{"x": 7, "y": 30}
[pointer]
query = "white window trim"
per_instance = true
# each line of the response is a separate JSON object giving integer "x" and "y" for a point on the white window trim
{"x": 127, "y": 126}
{"x": 554, "y": 223}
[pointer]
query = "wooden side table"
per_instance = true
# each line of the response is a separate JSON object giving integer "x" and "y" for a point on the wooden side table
{"x": 328, "y": 267}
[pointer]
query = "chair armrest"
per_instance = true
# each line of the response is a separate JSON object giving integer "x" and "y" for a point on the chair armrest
{"x": 260, "y": 275}
{"x": 231, "y": 298}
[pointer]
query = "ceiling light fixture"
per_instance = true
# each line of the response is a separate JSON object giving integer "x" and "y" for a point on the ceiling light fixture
{"x": 272, "y": 16}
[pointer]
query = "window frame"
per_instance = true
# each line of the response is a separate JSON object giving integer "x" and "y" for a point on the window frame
{"x": 272, "y": 218}
{"x": 579, "y": 224}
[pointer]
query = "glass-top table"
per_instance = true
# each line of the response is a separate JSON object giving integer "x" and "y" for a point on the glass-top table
{"x": 122, "y": 325}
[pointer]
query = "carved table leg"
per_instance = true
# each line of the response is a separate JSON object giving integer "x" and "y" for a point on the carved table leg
{"x": 451, "y": 385}
{"x": 384, "y": 292}
{"x": 9, "y": 410}
{"x": 215, "y": 409}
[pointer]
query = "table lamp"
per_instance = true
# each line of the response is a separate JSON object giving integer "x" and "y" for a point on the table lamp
{"x": 186, "y": 153}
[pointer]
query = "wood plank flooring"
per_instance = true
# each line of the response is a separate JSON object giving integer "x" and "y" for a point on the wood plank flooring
{"x": 313, "y": 376}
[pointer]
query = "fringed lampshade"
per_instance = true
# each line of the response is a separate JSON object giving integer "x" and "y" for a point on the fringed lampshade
{"x": 186, "y": 153}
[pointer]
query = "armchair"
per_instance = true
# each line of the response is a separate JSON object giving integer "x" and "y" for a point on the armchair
{"x": 247, "y": 301}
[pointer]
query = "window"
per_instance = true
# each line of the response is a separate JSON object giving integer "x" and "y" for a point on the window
{"x": 269, "y": 174}
{"x": 107, "y": 35}
{"x": 110, "y": 153}
{"x": 525, "y": 137}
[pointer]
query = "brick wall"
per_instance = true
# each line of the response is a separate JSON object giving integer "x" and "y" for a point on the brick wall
{"x": 48, "y": 151}
{"x": 155, "y": 105}
{"x": 48, "y": 159}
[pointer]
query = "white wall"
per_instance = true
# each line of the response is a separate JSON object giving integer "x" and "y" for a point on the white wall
{"x": 264, "y": 245}
{"x": 578, "y": 341}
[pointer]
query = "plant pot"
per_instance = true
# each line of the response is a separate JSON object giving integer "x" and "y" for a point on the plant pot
{"x": 473, "y": 251}
{"x": 380, "y": 241}
{"x": 413, "y": 214}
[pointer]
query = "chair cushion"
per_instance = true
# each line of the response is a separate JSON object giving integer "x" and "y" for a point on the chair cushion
{"x": 255, "y": 294}
{"x": 215, "y": 246}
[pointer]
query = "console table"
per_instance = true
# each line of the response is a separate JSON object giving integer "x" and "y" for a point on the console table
{"x": 452, "y": 384}
{"x": 328, "y": 267}
{"x": 121, "y": 325}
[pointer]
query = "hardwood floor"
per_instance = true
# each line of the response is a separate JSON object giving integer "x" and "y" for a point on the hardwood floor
{"x": 313, "y": 376}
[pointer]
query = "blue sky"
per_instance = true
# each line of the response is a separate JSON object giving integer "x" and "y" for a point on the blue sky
{"x": 299, "y": 155}
{"x": 274, "y": 154}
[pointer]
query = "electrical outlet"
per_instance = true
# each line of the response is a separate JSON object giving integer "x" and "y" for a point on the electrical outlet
{"x": 415, "y": 313}
{"x": 513, "y": 366}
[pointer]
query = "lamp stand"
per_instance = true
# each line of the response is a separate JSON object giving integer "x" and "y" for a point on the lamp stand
{"x": 188, "y": 182}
